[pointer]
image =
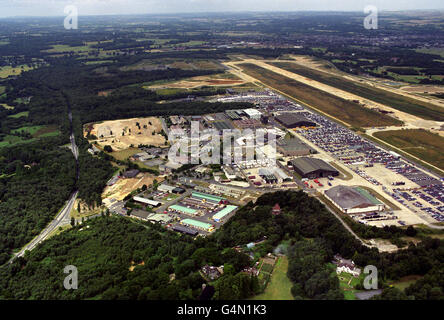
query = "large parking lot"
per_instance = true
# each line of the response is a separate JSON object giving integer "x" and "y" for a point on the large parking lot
{"x": 384, "y": 171}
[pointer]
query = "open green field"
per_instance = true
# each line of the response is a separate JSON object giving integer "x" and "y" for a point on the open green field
{"x": 347, "y": 111}
{"x": 13, "y": 71}
{"x": 19, "y": 115}
{"x": 184, "y": 64}
{"x": 11, "y": 140}
{"x": 28, "y": 129}
{"x": 412, "y": 106}
{"x": 437, "y": 51}
{"x": 125, "y": 154}
{"x": 6, "y": 106}
{"x": 419, "y": 143}
{"x": 279, "y": 287}
{"x": 35, "y": 131}
{"x": 61, "y": 48}
{"x": 405, "y": 282}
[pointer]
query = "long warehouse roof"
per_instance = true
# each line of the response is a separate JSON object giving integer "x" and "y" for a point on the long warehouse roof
{"x": 351, "y": 197}
{"x": 183, "y": 209}
{"x": 206, "y": 196}
{"x": 307, "y": 165}
{"x": 196, "y": 223}
{"x": 222, "y": 213}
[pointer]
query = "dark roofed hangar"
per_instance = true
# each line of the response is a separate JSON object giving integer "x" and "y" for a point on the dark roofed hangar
{"x": 312, "y": 168}
{"x": 294, "y": 120}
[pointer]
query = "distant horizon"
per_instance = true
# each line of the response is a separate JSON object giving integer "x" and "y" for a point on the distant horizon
{"x": 55, "y": 8}
{"x": 219, "y": 12}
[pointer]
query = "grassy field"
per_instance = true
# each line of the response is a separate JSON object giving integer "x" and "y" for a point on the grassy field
{"x": 349, "y": 112}
{"x": 125, "y": 154}
{"x": 405, "y": 282}
{"x": 11, "y": 140}
{"x": 13, "y": 71}
{"x": 60, "y": 48}
{"x": 279, "y": 288}
{"x": 35, "y": 131}
{"x": 6, "y": 106}
{"x": 437, "y": 51}
{"x": 19, "y": 115}
{"x": 59, "y": 230}
{"x": 412, "y": 106}
{"x": 419, "y": 143}
{"x": 32, "y": 130}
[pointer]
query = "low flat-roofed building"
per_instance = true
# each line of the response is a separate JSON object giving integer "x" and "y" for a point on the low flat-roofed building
{"x": 206, "y": 197}
{"x": 161, "y": 218}
{"x": 353, "y": 200}
{"x": 179, "y": 190}
{"x": 166, "y": 188}
{"x": 226, "y": 190}
{"x": 233, "y": 114}
{"x": 140, "y": 214}
{"x": 293, "y": 147}
{"x": 312, "y": 168}
{"x": 294, "y": 120}
{"x": 147, "y": 201}
{"x": 181, "y": 209}
{"x": 229, "y": 172}
{"x": 185, "y": 230}
{"x": 131, "y": 173}
{"x": 253, "y": 113}
{"x": 222, "y": 213}
{"x": 197, "y": 224}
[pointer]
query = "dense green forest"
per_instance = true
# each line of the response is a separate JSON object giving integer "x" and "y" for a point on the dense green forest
{"x": 105, "y": 248}
{"x": 35, "y": 182}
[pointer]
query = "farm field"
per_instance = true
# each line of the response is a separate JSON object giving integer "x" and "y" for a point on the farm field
{"x": 402, "y": 103}
{"x": 149, "y": 65}
{"x": 347, "y": 111}
{"x": 420, "y": 143}
{"x": 6, "y": 106}
{"x": 405, "y": 282}
{"x": 19, "y": 115}
{"x": 125, "y": 133}
{"x": 36, "y": 132}
{"x": 13, "y": 71}
{"x": 279, "y": 287}
{"x": 61, "y": 48}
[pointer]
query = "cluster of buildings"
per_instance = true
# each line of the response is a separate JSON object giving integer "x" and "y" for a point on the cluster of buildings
{"x": 345, "y": 265}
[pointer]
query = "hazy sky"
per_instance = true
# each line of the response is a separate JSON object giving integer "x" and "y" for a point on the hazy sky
{"x": 89, "y": 7}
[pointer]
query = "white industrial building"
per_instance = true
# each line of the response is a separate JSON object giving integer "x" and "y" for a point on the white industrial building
{"x": 253, "y": 113}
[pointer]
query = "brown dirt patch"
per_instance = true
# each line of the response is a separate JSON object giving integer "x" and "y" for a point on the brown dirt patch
{"x": 121, "y": 134}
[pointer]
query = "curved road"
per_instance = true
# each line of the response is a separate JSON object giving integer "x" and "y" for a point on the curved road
{"x": 63, "y": 217}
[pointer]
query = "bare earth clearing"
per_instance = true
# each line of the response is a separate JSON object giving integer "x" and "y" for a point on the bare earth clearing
{"x": 121, "y": 134}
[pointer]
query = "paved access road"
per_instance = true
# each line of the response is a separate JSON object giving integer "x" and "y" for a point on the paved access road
{"x": 61, "y": 219}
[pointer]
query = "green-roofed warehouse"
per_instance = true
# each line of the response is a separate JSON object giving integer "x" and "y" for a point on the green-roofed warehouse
{"x": 197, "y": 224}
{"x": 182, "y": 209}
{"x": 222, "y": 213}
{"x": 208, "y": 197}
